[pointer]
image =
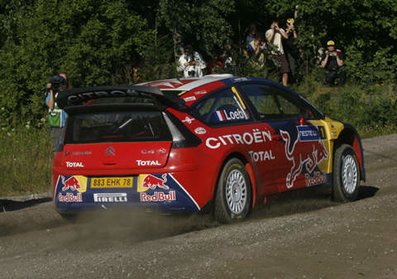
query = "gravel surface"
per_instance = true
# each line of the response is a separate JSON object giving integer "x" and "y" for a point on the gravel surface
{"x": 295, "y": 235}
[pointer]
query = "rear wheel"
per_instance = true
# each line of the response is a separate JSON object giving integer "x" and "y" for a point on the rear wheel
{"x": 346, "y": 174}
{"x": 233, "y": 195}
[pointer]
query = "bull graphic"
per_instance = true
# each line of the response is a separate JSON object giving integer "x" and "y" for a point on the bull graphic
{"x": 70, "y": 184}
{"x": 154, "y": 182}
{"x": 300, "y": 156}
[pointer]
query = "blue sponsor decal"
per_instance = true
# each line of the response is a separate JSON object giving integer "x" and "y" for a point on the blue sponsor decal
{"x": 308, "y": 133}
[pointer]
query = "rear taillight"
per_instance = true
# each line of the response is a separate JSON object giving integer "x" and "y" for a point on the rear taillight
{"x": 181, "y": 136}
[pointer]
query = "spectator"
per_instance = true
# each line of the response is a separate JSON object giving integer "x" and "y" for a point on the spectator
{"x": 227, "y": 59}
{"x": 258, "y": 59}
{"x": 274, "y": 36}
{"x": 56, "y": 117}
{"x": 291, "y": 50}
{"x": 250, "y": 38}
{"x": 332, "y": 61}
{"x": 191, "y": 63}
{"x": 135, "y": 74}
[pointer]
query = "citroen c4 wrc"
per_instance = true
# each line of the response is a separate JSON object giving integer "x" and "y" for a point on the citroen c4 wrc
{"x": 219, "y": 144}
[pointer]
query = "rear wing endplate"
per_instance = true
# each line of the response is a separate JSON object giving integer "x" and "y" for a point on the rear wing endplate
{"x": 80, "y": 96}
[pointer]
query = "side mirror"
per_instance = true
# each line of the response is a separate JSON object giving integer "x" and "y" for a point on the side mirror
{"x": 302, "y": 120}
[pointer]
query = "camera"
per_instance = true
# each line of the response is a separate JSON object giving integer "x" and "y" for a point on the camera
{"x": 57, "y": 83}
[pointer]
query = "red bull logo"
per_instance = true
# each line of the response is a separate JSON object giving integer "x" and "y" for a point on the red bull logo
{"x": 301, "y": 156}
{"x": 73, "y": 183}
{"x": 69, "y": 197}
{"x": 70, "y": 183}
{"x": 158, "y": 197}
{"x": 315, "y": 179}
{"x": 152, "y": 182}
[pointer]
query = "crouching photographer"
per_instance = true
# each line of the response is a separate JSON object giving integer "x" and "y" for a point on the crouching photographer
{"x": 56, "y": 116}
{"x": 333, "y": 61}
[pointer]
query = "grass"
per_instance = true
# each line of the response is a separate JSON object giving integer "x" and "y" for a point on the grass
{"x": 25, "y": 153}
{"x": 25, "y": 161}
{"x": 371, "y": 109}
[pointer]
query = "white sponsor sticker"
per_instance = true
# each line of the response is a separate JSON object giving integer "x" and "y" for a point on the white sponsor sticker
{"x": 200, "y": 131}
{"x": 190, "y": 99}
{"x": 188, "y": 120}
{"x": 143, "y": 163}
{"x": 74, "y": 164}
{"x": 110, "y": 197}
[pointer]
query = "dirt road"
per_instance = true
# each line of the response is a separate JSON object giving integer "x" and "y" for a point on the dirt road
{"x": 296, "y": 235}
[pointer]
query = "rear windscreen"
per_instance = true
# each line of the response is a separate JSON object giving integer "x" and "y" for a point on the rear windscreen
{"x": 121, "y": 126}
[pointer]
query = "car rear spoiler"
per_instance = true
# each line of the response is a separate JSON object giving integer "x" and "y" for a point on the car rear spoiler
{"x": 80, "y": 96}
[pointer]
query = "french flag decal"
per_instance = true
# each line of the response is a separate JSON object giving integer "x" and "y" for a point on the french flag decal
{"x": 221, "y": 115}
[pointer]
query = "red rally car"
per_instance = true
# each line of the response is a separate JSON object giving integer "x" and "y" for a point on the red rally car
{"x": 218, "y": 143}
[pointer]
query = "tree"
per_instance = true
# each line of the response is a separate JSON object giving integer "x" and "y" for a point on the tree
{"x": 200, "y": 23}
{"x": 91, "y": 40}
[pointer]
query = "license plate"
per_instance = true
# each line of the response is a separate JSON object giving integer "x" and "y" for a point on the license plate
{"x": 111, "y": 182}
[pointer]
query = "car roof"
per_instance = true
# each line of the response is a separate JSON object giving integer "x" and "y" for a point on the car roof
{"x": 185, "y": 84}
{"x": 179, "y": 93}
{"x": 192, "y": 89}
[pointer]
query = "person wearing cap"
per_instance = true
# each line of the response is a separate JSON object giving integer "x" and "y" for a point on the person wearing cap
{"x": 332, "y": 61}
{"x": 291, "y": 50}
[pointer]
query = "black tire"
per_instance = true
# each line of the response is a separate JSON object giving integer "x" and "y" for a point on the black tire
{"x": 233, "y": 194}
{"x": 346, "y": 175}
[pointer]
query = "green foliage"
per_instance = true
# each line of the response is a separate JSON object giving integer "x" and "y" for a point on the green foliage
{"x": 377, "y": 68}
{"x": 96, "y": 42}
{"x": 201, "y": 23}
{"x": 365, "y": 107}
{"x": 89, "y": 39}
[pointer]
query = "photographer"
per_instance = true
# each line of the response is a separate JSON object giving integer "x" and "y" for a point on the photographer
{"x": 191, "y": 63}
{"x": 275, "y": 36}
{"x": 56, "y": 116}
{"x": 332, "y": 61}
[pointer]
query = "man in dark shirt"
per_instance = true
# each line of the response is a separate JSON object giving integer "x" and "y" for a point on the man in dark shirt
{"x": 332, "y": 61}
{"x": 291, "y": 50}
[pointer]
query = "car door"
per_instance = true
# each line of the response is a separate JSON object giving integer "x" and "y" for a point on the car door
{"x": 297, "y": 144}
{"x": 234, "y": 130}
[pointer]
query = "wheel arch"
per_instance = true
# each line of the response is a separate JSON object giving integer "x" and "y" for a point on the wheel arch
{"x": 248, "y": 168}
{"x": 350, "y": 136}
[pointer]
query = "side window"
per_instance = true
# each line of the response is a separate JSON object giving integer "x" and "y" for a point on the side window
{"x": 272, "y": 103}
{"x": 265, "y": 103}
{"x": 222, "y": 107}
{"x": 289, "y": 109}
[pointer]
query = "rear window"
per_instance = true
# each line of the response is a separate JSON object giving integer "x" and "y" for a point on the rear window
{"x": 121, "y": 126}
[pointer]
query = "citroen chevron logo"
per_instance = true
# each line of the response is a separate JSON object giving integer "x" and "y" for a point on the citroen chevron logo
{"x": 110, "y": 151}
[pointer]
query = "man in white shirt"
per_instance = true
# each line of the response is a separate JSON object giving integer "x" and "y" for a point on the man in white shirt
{"x": 191, "y": 63}
{"x": 275, "y": 35}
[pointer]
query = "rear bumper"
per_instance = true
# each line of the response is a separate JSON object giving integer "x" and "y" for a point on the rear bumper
{"x": 158, "y": 191}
